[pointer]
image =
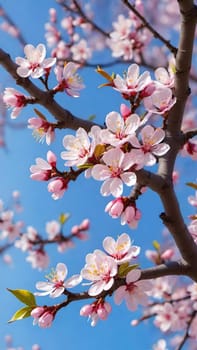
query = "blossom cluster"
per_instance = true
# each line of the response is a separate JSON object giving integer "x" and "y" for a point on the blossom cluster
{"x": 103, "y": 269}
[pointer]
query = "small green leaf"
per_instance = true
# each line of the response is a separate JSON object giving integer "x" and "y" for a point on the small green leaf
{"x": 191, "y": 184}
{"x": 156, "y": 245}
{"x": 24, "y": 296}
{"x": 125, "y": 268}
{"x": 21, "y": 313}
{"x": 92, "y": 117}
{"x": 63, "y": 218}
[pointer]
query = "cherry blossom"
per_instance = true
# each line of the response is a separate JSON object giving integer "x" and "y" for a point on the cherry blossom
{"x": 151, "y": 144}
{"x": 115, "y": 207}
{"x": 56, "y": 284}
{"x": 42, "y": 129}
{"x": 80, "y": 51}
{"x": 160, "y": 345}
{"x": 42, "y": 170}
{"x": 121, "y": 250}
{"x": 166, "y": 318}
{"x": 132, "y": 82}
{"x": 96, "y": 311}
{"x": 35, "y": 64}
{"x": 134, "y": 291}
{"x": 78, "y": 148}
{"x": 14, "y": 99}
{"x": 39, "y": 259}
{"x": 100, "y": 269}
{"x": 114, "y": 171}
{"x": 193, "y": 200}
{"x": 69, "y": 80}
{"x": 160, "y": 102}
{"x": 53, "y": 229}
{"x": 25, "y": 241}
{"x": 119, "y": 130}
{"x": 130, "y": 216}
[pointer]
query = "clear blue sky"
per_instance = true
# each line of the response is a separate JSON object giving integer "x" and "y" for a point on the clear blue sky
{"x": 69, "y": 331}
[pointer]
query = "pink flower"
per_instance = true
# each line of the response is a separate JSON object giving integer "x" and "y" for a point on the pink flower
{"x": 160, "y": 102}
{"x": 193, "y": 200}
{"x": 121, "y": 250}
{"x": 69, "y": 80}
{"x": 100, "y": 269}
{"x": 114, "y": 172}
{"x": 39, "y": 259}
{"x": 42, "y": 170}
{"x": 57, "y": 187}
{"x": 56, "y": 284}
{"x": 14, "y": 99}
{"x": 119, "y": 130}
{"x": 97, "y": 310}
{"x": 77, "y": 148}
{"x": 134, "y": 292}
{"x": 133, "y": 82}
{"x": 167, "y": 318}
{"x": 151, "y": 144}
{"x": 53, "y": 229}
{"x": 42, "y": 129}
{"x": 81, "y": 51}
{"x": 35, "y": 64}
{"x": 160, "y": 345}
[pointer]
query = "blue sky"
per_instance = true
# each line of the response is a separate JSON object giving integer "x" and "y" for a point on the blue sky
{"x": 82, "y": 200}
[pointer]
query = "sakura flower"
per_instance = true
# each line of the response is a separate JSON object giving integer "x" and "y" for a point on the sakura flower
{"x": 114, "y": 172}
{"x": 166, "y": 319}
{"x": 100, "y": 269}
{"x": 160, "y": 102}
{"x": 151, "y": 144}
{"x": 56, "y": 284}
{"x": 119, "y": 130}
{"x": 193, "y": 200}
{"x": 193, "y": 229}
{"x": 77, "y": 148}
{"x": 53, "y": 229}
{"x": 121, "y": 250}
{"x": 26, "y": 240}
{"x": 69, "y": 80}
{"x": 57, "y": 187}
{"x": 39, "y": 259}
{"x": 192, "y": 329}
{"x": 160, "y": 345}
{"x": 35, "y": 64}
{"x": 134, "y": 292}
{"x": 42, "y": 170}
{"x": 95, "y": 311}
{"x": 14, "y": 99}
{"x": 164, "y": 76}
{"x": 81, "y": 51}
{"x": 133, "y": 82}
{"x": 42, "y": 129}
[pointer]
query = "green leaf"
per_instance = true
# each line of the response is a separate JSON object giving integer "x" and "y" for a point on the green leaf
{"x": 92, "y": 117}
{"x": 191, "y": 184}
{"x": 24, "y": 296}
{"x": 63, "y": 218}
{"x": 156, "y": 245}
{"x": 125, "y": 268}
{"x": 21, "y": 313}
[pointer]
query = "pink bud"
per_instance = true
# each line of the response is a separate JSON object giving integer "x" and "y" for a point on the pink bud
{"x": 168, "y": 254}
{"x": 115, "y": 207}
{"x": 85, "y": 225}
{"x": 46, "y": 320}
{"x": 37, "y": 312}
{"x": 51, "y": 158}
{"x": 86, "y": 310}
{"x": 125, "y": 111}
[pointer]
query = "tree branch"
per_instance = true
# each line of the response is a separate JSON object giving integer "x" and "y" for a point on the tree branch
{"x": 44, "y": 98}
